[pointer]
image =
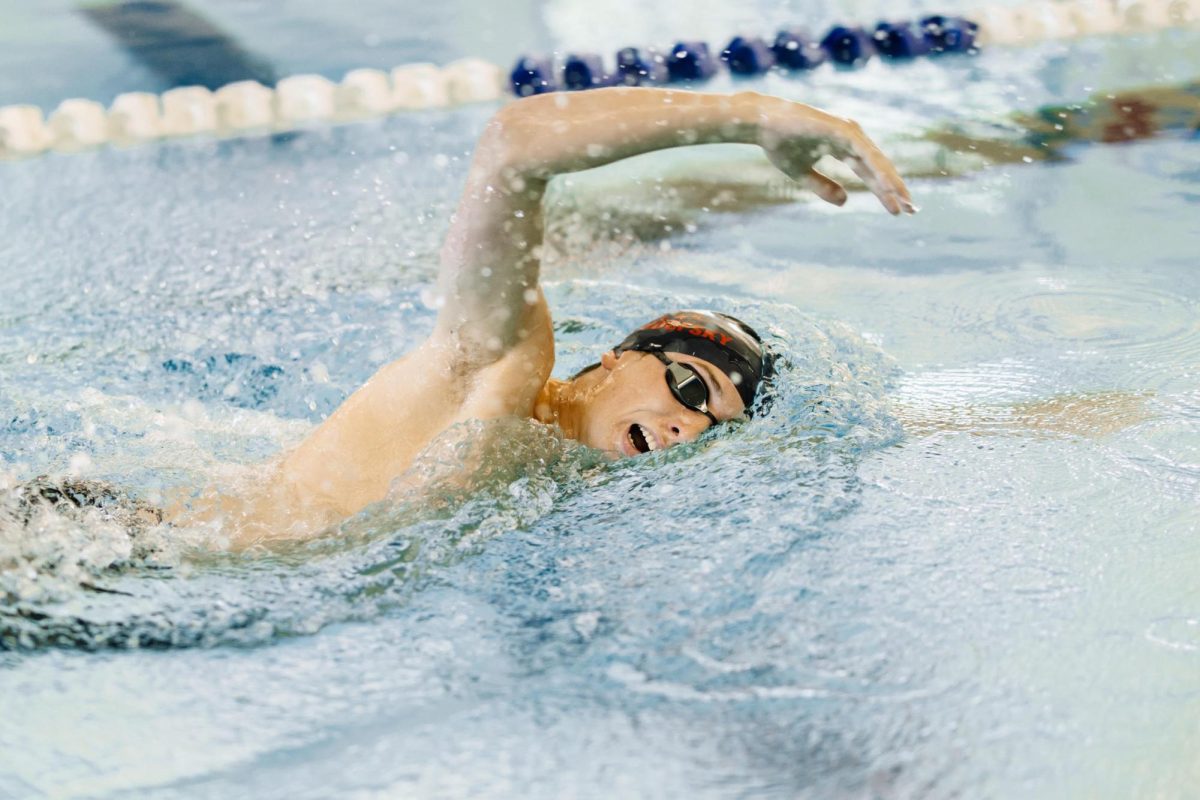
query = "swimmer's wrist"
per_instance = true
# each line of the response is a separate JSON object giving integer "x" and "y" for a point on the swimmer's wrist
{"x": 771, "y": 115}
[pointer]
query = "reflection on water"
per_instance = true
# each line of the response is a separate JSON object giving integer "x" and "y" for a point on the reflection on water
{"x": 958, "y": 558}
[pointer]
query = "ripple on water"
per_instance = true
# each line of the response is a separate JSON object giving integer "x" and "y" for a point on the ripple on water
{"x": 1034, "y": 580}
{"x": 866, "y": 660}
{"x": 1156, "y": 332}
{"x": 1166, "y": 449}
{"x": 990, "y": 381}
{"x": 1181, "y": 634}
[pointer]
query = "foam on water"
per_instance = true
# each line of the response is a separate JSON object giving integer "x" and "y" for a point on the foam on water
{"x": 958, "y": 558}
{"x": 82, "y": 579}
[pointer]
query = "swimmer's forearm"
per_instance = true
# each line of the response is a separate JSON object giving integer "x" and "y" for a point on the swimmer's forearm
{"x": 547, "y": 135}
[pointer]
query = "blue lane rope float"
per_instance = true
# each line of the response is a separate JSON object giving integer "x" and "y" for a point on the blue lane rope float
{"x": 584, "y": 71}
{"x": 950, "y": 34}
{"x": 534, "y": 76}
{"x": 748, "y": 55}
{"x": 905, "y": 39}
{"x": 792, "y": 50}
{"x": 637, "y": 67}
{"x": 691, "y": 61}
{"x": 848, "y": 46}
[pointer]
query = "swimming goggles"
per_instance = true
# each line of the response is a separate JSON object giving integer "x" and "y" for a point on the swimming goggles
{"x": 686, "y": 385}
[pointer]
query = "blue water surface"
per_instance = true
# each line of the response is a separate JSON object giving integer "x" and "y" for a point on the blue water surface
{"x": 958, "y": 558}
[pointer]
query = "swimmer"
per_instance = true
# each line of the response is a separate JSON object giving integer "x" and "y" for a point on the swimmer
{"x": 492, "y": 349}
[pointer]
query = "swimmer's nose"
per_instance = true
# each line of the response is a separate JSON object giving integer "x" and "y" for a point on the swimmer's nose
{"x": 684, "y": 429}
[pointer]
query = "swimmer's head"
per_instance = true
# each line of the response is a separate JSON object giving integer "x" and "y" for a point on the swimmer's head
{"x": 722, "y": 340}
{"x": 670, "y": 380}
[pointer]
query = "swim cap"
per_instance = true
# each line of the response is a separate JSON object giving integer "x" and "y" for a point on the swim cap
{"x": 726, "y": 342}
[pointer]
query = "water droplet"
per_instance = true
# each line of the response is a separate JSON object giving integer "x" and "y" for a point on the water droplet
{"x": 79, "y": 463}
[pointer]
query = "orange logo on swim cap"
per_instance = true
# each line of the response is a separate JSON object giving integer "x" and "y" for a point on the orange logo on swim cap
{"x": 693, "y": 325}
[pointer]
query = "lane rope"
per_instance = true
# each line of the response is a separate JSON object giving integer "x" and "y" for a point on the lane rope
{"x": 248, "y": 107}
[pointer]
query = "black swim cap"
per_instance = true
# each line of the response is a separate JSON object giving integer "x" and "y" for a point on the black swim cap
{"x": 726, "y": 342}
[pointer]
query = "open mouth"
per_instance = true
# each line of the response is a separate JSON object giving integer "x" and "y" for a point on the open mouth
{"x": 642, "y": 441}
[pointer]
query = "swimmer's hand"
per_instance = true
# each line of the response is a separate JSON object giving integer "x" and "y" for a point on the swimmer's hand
{"x": 795, "y": 137}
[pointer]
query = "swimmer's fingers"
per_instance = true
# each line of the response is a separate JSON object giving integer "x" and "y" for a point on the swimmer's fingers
{"x": 891, "y": 192}
{"x": 876, "y": 170}
{"x": 826, "y": 188}
{"x": 795, "y": 136}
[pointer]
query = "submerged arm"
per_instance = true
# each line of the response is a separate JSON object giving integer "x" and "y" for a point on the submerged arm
{"x": 1093, "y": 415}
{"x": 491, "y": 258}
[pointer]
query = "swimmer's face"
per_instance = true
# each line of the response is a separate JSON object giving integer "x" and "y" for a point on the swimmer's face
{"x": 631, "y": 410}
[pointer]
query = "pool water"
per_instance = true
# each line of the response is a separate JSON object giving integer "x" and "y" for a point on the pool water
{"x": 959, "y": 557}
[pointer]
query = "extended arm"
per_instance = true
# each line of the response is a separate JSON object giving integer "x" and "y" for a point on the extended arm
{"x": 492, "y": 347}
{"x": 491, "y": 258}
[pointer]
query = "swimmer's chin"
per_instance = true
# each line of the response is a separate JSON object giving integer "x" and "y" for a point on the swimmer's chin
{"x": 611, "y": 453}
{"x": 608, "y": 453}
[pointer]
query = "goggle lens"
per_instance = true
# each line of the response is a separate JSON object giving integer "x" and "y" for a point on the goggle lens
{"x": 687, "y": 386}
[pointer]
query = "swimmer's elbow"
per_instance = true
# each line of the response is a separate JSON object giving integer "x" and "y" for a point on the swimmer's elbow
{"x": 508, "y": 140}
{"x": 522, "y": 143}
